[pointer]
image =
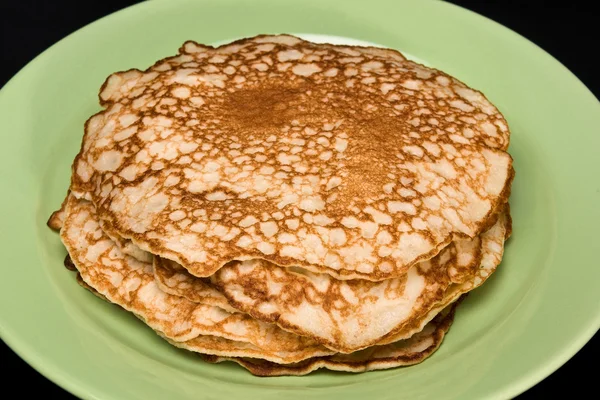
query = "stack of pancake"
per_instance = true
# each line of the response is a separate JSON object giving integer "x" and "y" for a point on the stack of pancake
{"x": 288, "y": 205}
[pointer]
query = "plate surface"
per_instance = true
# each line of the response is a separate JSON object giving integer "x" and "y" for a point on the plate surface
{"x": 534, "y": 313}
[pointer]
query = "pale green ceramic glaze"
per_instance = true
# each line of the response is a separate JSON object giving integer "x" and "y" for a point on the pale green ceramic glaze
{"x": 540, "y": 307}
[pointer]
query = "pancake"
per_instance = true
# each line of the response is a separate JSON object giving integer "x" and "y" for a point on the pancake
{"x": 403, "y": 353}
{"x": 174, "y": 279}
{"x": 349, "y": 315}
{"x": 493, "y": 242}
{"x": 207, "y": 344}
{"x": 130, "y": 283}
{"x": 349, "y": 161}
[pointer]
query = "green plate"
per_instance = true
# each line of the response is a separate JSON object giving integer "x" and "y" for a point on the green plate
{"x": 540, "y": 307}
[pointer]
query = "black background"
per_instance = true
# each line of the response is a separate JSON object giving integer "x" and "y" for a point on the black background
{"x": 569, "y": 32}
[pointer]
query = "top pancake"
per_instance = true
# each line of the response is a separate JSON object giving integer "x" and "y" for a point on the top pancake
{"x": 349, "y": 161}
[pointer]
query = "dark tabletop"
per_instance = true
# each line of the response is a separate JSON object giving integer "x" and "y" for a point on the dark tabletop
{"x": 569, "y": 32}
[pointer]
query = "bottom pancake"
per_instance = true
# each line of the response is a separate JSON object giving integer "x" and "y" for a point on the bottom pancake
{"x": 402, "y": 353}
